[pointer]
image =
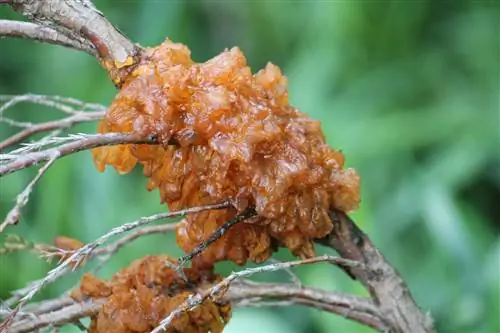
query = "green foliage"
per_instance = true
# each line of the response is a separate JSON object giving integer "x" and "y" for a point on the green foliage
{"x": 408, "y": 90}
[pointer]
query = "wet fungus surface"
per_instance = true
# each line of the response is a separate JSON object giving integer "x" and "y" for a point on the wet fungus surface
{"x": 141, "y": 295}
{"x": 236, "y": 137}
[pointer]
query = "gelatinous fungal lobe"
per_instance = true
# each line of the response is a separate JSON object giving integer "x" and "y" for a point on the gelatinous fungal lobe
{"x": 140, "y": 296}
{"x": 237, "y": 138}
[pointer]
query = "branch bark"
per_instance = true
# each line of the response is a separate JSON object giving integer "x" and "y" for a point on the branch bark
{"x": 79, "y": 20}
{"x": 26, "y": 30}
{"x": 50, "y": 126}
{"x": 85, "y": 143}
{"x": 387, "y": 288}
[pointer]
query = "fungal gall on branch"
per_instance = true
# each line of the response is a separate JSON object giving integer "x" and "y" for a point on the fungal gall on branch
{"x": 141, "y": 295}
{"x": 238, "y": 138}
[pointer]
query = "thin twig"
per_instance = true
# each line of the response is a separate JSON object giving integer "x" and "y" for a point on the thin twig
{"x": 84, "y": 251}
{"x": 105, "y": 253}
{"x": 64, "y": 104}
{"x": 51, "y": 125}
{"x": 114, "y": 247}
{"x": 217, "y": 234}
{"x": 43, "y": 143}
{"x": 26, "y": 30}
{"x": 221, "y": 287}
{"x": 87, "y": 142}
{"x": 14, "y": 215}
{"x": 49, "y": 305}
{"x": 70, "y": 314}
{"x": 293, "y": 277}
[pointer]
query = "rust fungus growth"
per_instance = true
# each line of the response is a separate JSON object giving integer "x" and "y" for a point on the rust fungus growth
{"x": 237, "y": 138}
{"x": 140, "y": 296}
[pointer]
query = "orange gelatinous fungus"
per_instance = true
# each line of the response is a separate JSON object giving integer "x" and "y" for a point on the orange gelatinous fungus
{"x": 140, "y": 296}
{"x": 237, "y": 138}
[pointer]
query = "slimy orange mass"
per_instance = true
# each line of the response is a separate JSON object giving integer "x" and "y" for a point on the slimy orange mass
{"x": 236, "y": 138}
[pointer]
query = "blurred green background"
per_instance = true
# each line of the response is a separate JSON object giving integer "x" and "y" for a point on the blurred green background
{"x": 409, "y": 90}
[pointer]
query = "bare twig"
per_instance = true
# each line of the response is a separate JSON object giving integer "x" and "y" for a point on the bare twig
{"x": 222, "y": 286}
{"x": 105, "y": 253}
{"x": 80, "y": 20}
{"x": 293, "y": 277}
{"x": 38, "y": 145}
{"x": 65, "y": 104}
{"x": 84, "y": 251}
{"x": 78, "y": 111}
{"x": 71, "y": 313}
{"x": 355, "y": 308}
{"x": 15, "y": 213}
{"x": 242, "y": 290}
{"x": 13, "y": 243}
{"x": 49, "y": 305}
{"x": 217, "y": 234}
{"x": 114, "y": 247}
{"x": 84, "y": 143}
{"x": 43, "y": 34}
{"x": 49, "y": 126}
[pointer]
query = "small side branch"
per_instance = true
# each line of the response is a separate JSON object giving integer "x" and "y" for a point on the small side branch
{"x": 67, "y": 315}
{"x": 79, "y": 143}
{"x": 27, "y": 30}
{"x": 15, "y": 213}
{"x": 64, "y": 123}
{"x": 76, "y": 111}
{"x": 217, "y": 234}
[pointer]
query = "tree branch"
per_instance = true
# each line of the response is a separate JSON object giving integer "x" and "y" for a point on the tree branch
{"x": 80, "y": 20}
{"x": 26, "y": 30}
{"x": 355, "y": 308}
{"x": 384, "y": 283}
{"x": 57, "y": 318}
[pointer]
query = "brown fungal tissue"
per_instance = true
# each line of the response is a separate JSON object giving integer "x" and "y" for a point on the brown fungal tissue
{"x": 140, "y": 296}
{"x": 236, "y": 137}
